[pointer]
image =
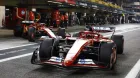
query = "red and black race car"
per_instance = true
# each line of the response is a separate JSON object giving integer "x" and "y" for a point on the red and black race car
{"x": 32, "y": 31}
{"x": 38, "y": 30}
{"x": 86, "y": 49}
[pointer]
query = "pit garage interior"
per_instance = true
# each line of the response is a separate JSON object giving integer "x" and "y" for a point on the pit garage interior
{"x": 46, "y": 6}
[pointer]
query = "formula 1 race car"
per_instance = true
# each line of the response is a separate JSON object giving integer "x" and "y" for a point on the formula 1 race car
{"x": 86, "y": 49}
{"x": 39, "y": 30}
{"x": 31, "y": 31}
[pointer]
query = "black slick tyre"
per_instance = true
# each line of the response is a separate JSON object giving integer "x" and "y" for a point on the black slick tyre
{"x": 108, "y": 54}
{"x": 119, "y": 41}
{"x": 46, "y": 49}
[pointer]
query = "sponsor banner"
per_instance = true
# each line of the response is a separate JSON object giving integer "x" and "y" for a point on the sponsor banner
{"x": 93, "y": 6}
{"x": 85, "y": 4}
{"x": 67, "y": 1}
{"x": 60, "y": 0}
{"x": 82, "y": 4}
{"x": 71, "y": 1}
{"x": 105, "y": 3}
{"x": 92, "y": 0}
{"x": 56, "y": 59}
{"x": 85, "y": 61}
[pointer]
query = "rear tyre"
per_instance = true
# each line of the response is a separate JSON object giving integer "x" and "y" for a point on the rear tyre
{"x": 31, "y": 34}
{"x": 46, "y": 49}
{"x": 108, "y": 54}
{"x": 119, "y": 41}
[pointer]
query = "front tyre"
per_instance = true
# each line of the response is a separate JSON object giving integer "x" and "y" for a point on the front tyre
{"x": 108, "y": 54}
{"x": 45, "y": 50}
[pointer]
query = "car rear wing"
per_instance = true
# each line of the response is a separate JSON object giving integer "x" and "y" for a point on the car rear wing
{"x": 103, "y": 29}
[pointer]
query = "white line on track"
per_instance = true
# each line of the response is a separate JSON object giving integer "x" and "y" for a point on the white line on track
{"x": 134, "y": 71}
{"x": 124, "y": 31}
{"x": 132, "y": 74}
{"x": 11, "y": 52}
{"x": 15, "y": 57}
{"x": 18, "y": 46}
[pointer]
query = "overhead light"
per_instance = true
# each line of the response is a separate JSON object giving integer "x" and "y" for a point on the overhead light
{"x": 61, "y": 5}
{"x": 57, "y": 2}
{"x": 72, "y": 4}
{"x": 50, "y": 1}
{"x": 83, "y": 4}
{"x": 94, "y": 6}
{"x": 34, "y": 9}
{"x": 7, "y": 9}
{"x": 54, "y": 2}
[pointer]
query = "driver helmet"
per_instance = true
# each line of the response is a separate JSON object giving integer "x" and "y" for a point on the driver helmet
{"x": 88, "y": 28}
{"x": 89, "y": 36}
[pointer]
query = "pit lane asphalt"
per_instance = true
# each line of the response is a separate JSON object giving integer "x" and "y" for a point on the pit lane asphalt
{"x": 22, "y": 68}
